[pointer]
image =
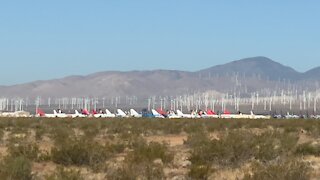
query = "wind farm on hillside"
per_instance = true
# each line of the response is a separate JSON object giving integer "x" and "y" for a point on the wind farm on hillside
{"x": 240, "y": 86}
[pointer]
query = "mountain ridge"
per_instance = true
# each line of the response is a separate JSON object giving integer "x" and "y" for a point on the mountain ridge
{"x": 255, "y": 65}
{"x": 262, "y": 72}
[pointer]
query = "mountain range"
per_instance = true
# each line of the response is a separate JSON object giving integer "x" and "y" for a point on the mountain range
{"x": 247, "y": 75}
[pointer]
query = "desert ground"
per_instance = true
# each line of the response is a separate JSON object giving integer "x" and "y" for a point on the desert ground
{"x": 128, "y": 148}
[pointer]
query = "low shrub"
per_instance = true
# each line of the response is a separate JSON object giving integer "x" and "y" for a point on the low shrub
{"x": 287, "y": 169}
{"x": 273, "y": 144}
{"x": 1, "y": 135}
{"x": 25, "y": 149}
{"x": 40, "y": 131}
{"x": 140, "y": 163}
{"x": 60, "y": 134}
{"x": 80, "y": 153}
{"x": 143, "y": 152}
{"x": 63, "y": 174}
{"x": 115, "y": 148}
{"x": 16, "y": 168}
{"x": 198, "y": 139}
{"x": 232, "y": 149}
{"x": 137, "y": 171}
{"x": 308, "y": 149}
{"x": 194, "y": 126}
{"x": 199, "y": 171}
{"x": 90, "y": 128}
{"x": 237, "y": 147}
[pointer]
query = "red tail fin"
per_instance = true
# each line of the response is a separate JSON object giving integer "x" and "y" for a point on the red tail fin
{"x": 210, "y": 112}
{"x": 226, "y": 112}
{"x": 40, "y": 112}
{"x": 85, "y": 112}
{"x": 161, "y": 112}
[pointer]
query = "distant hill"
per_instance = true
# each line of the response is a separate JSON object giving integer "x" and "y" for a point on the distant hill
{"x": 250, "y": 74}
{"x": 137, "y": 83}
{"x": 256, "y": 66}
{"x": 312, "y": 74}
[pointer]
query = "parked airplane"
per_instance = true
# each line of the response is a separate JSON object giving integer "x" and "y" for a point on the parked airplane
{"x": 179, "y": 113}
{"x": 55, "y": 114}
{"x": 315, "y": 116}
{"x": 77, "y": 114}
{"x": 227, "y": 115}
{"x": 41, "y": 113}
{"x": 109, "y": 114}
{"x": 254, "y": 116}
{"x": 209, "y": 114}
{"x": 120, "y": 113}
{"x": 278, "y": 116}
{"x": 291, "y": 116}
{"x": 85, "y": 112}
{"x": 99, "y": 114}
{"x": 156, "y": 114}
{"x": 60, "y": 114}
{"x": 172, "y": 115}
{"x": 182, "y": 115}
{"x": 163, "y": 113}
{"x": 134, "y": 113}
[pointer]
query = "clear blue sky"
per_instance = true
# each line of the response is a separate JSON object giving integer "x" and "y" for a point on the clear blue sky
{"x": 52, "y": 39}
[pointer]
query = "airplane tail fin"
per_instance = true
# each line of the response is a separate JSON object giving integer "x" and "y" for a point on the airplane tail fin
{"x": 76, "y": 112}
{"x": 40, "y": 112}
{"x": 155, "y": 113}
{"x": 226, "y": 112}
{"x": 161, "y": 112}
{"x": 94, "y": 112}
{"x": 133, "y": 112}
{"x": 85, "y": 112}
{"x": 120, "y": 112}
{"x": 210, "y": 112}
{"x": 55, "y": 112}
{"x": 179, "y": 113}
{"x": 108, "y": 112}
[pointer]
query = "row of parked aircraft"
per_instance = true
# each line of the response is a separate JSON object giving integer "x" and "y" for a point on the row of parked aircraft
{"x": 154, "y": 113}
{"x": 208, "y": 114}
{"x": 294, "y": 116}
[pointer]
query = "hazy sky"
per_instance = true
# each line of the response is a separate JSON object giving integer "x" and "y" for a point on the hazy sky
{"x": 52, "y": 39}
